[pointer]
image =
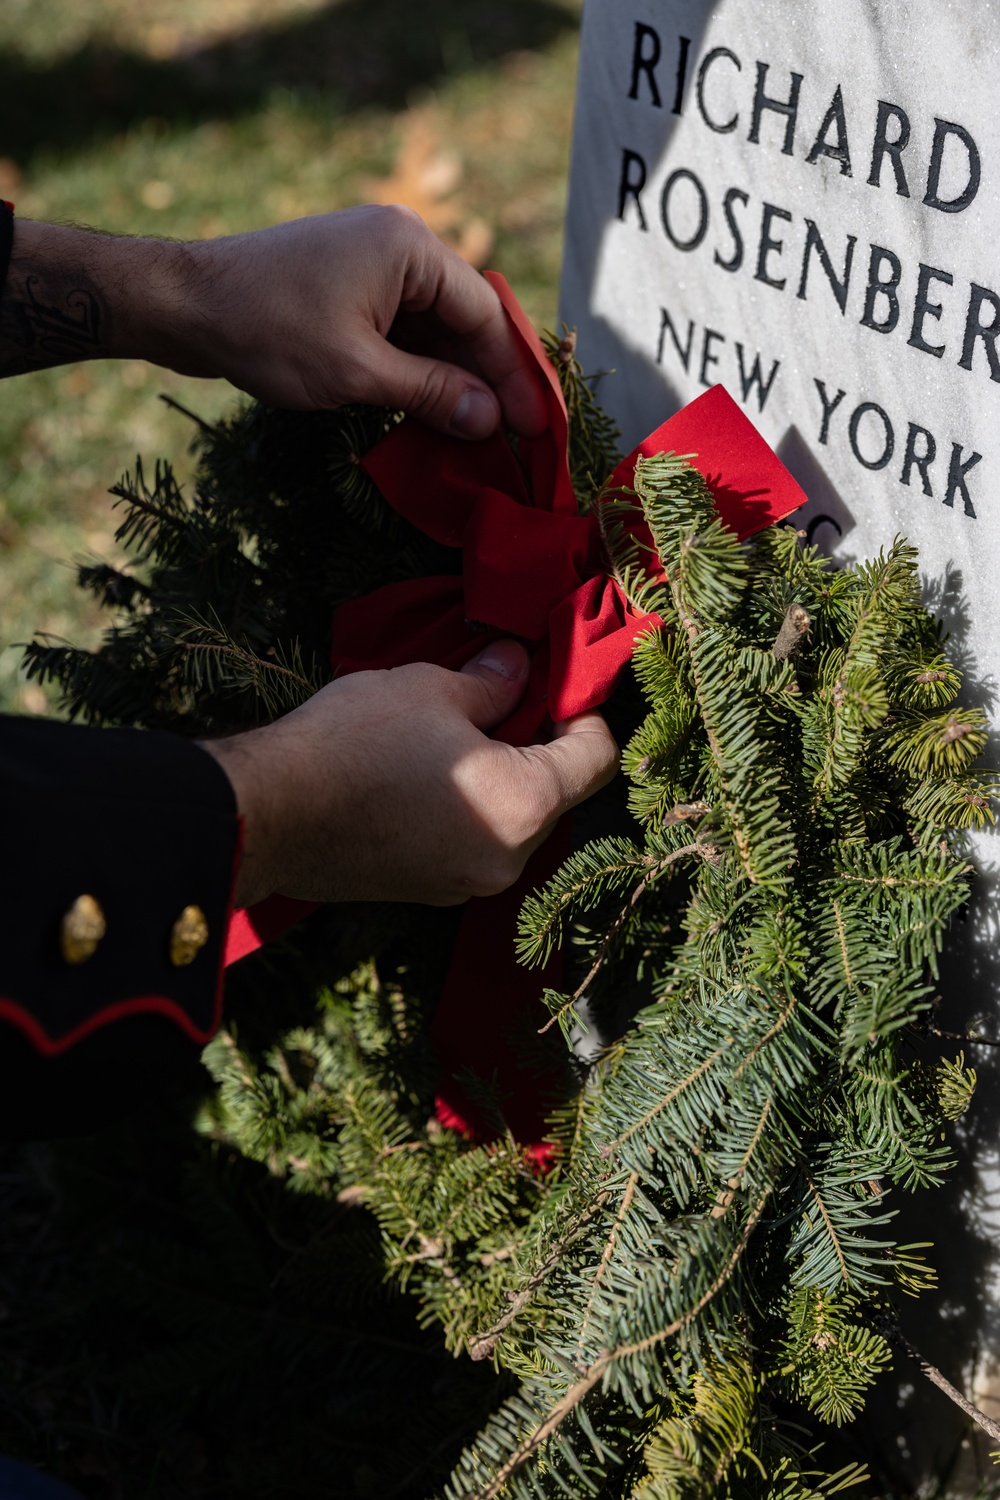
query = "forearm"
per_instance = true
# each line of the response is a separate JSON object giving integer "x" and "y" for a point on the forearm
{"x": 72, "y": 294}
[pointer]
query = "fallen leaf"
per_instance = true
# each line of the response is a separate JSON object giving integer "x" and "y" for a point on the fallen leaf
{"x": 425, "y": 177}
{"x": 10, "y": 177}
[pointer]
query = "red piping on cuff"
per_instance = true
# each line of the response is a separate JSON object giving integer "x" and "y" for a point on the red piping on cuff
{"x": 138, "y": 1005}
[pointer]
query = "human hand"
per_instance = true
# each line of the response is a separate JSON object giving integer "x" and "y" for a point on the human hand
{"x": 312, "y": 313}
{"x": 364, "y": 305}
{"x": 384, "y": 787}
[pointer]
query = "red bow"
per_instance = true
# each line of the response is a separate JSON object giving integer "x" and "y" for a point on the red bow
{"x": 534, "y": 568}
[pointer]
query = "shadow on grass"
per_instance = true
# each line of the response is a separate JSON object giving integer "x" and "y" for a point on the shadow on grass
{"x": 352, "y": 54}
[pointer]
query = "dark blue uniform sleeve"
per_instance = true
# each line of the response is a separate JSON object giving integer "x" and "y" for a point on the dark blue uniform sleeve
{"x": 117, "y": 864}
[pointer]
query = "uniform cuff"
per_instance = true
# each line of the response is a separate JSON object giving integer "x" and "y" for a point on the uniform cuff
{"x": 116, "y": 885}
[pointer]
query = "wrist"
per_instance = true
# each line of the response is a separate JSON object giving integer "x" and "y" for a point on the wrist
{"x": 168, "y": 320}
{"x": 156, "y": 286}
{"x": 237, "y": 757}
{"x": 52, "y": 306}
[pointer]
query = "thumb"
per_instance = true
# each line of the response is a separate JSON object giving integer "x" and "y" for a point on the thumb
{"x": 444, "y": 396}
{"x": 493, "y": 683}
{"x": 581, "y": 758}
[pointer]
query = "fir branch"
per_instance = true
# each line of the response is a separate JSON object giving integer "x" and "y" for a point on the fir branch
{"x": 614, "y": 930}
{"x": 843, "y": 947}
{"x": 829, "y": 1357}
{"x": 666, "y": 1101}
{"x": 941, "y": 745}
{"x": 725, "y": 1196}
{"x": 482, "y": 1345}
{"x": 156, "y": 521}
{"x": 746, "y": 775}
{"x": 219, "y": 659}
{"x": 594, "y": 448}
{"x": 961, "y": 801}
{"x": 769, "y": 1035}
{"x": 907, "y": 879}
{"x": 582, "y": 1388}
{"x": 368, "y": 1127}
{"x": 258, "y": 665}
{"x": 607, "y": 863}
{"x": 637, "y": 579}
{"x": 606, "y": 1254}
{"x": 832, "y": 1246}
{"x": 831, "y": 1231}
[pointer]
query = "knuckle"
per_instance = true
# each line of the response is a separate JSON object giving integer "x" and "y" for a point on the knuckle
{"x": 425, "y": 679}
{"x": 429, "y": 392}
{"x": 495, "y": 873}
{"x": 399, "y": 217}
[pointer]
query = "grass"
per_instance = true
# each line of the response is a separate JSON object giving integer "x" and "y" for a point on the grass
{"x": 196, "y": 119}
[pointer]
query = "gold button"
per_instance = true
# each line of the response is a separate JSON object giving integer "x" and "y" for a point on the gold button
{"x": 188, "y": 936}
{"x": 82, "y": 928}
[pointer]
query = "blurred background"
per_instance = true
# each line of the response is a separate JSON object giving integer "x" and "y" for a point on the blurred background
{"x": 196, "y": 118}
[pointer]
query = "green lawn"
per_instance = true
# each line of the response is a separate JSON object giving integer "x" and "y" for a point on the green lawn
{"x": 202, "y": 117}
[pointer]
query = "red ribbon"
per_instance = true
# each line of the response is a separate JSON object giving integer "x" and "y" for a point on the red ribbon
{"x": 533, "y": 567}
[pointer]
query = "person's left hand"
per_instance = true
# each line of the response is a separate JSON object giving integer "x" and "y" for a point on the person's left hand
{"x": 365, "y": 305}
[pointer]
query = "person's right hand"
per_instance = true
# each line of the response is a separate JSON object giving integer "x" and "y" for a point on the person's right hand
{"x": 383, "y": 786}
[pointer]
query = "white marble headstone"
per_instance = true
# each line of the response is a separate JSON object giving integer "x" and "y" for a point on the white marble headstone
{"x": 800, "y": 199}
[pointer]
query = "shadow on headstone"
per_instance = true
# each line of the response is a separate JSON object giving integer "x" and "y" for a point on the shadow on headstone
{"x": 825, "y": 518}
{"x": 946, "y": 597}
{"x": 637, "y": 393}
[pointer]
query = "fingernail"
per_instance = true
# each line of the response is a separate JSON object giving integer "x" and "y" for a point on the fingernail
{"x": 475, "y": 416}
{"x": 506, "y": 658}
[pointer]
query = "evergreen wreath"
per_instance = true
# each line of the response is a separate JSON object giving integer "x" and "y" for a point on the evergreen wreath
{"x": 709, "y": 1261}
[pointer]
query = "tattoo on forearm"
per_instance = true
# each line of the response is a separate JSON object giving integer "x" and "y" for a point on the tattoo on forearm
{"x": 50, "y": 320}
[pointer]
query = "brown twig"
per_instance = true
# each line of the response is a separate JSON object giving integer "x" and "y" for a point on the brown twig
{"x": 934, "y": 1375}
{"x": 614, "y": 930}
{"x": 483, "y": 1344}
{"x": 961, "y": 1036}
{"x": 186, "y": 411}
{"x": 582, "y": 1388}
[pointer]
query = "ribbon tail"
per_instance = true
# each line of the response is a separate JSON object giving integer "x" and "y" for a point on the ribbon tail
{"x": 252, "y": 926}
{"x": 489, "y": 1015}
{"x": 751, "y": 486}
